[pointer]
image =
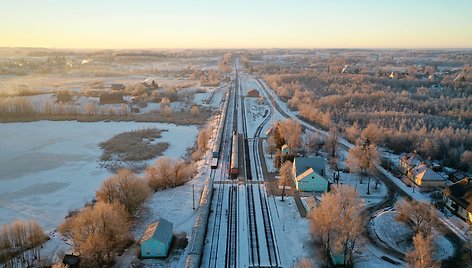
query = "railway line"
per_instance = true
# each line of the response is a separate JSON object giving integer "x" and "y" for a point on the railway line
{"x": 263, "y": 246}
{"x": 240, "y": 231}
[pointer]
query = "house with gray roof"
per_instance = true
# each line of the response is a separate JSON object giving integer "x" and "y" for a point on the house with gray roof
{"x": 309, "y": 174}
{"x": 156, "y": 239}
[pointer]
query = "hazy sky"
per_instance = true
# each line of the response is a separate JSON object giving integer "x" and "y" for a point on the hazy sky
{"x": 236, "y": 24}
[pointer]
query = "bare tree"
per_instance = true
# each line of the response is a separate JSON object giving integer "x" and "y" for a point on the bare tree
{"x": 353, "y": 132}
{"x": 314, "y": 142}
{"x": 21, "y": 239}
{"x": 159, "y": 174}
{"x": 182, "y": 172}
{"x": 125, "y": 188}
{"x": 291, "y": 131}
{"x": 466, "y": 160}
{"x": 286, "y": 176}
{"x": 202, "y": 139}
{"x": 337, "y": 223}
{"x": 332, "y": 147}
{"x": 418, "y": 216}
{"x": 372, "y": 133}
{"x": 277, "y": 135}
{"x": 168, "y": 172}
{"x": 364, "y": 157}
{"x": 422, "y": 255}
{"x": 97, "y": 232}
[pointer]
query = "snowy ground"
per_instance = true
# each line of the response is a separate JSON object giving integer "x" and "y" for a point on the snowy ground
{"x": 48, "y": 168}
{"x": 175, "y": 205}
{"x": 293, "y": 231}
{"x": 377, "y": 193}
{"x": 398, "y": 236}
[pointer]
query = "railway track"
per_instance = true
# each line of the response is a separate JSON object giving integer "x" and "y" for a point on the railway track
{"x": 269, "y": 241}
{"x": 254, "y": 249}
{"x": 223, "y": 238}
{"x": 232, "y": 227}
{"x": 216, "y": 229}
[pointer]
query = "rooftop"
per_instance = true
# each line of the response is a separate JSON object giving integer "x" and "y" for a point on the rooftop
{"x": 302, "y": 164}
{"x": 160, "y": 230}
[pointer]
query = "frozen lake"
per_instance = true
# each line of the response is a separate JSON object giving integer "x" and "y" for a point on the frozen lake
{"x": 48, "y": 168}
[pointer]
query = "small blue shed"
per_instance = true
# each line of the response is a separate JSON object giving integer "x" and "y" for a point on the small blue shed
{"x": 156, "y": 239}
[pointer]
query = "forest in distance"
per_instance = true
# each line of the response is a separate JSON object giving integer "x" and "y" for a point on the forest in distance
{"x": 403, "y": 100}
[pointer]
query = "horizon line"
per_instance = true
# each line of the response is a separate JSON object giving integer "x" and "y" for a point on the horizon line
{"x": 243, "y": 48}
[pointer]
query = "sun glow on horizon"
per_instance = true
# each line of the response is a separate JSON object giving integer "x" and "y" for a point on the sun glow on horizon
{"x": 223, "y": 24}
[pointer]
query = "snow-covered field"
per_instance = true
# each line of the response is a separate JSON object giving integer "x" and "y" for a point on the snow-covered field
{"x": 48, "y": 168}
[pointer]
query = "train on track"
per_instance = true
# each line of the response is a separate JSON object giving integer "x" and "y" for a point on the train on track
{"x": 219, "y": 137}
{"x": 234, "y": 167}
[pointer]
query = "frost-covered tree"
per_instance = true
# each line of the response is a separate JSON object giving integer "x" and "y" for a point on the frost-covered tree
{"x": 97, "y": 232}
{"x": 125, "y": 188}
{"x": 337, "y": 223}
{"x": 168, "y": 172}
{"x": 422, "y": 254}
{"x": 332, "y": 147}
{"x": 291, "y": 132}
{"x": 420, "y": 217}
{"x": 364, "y": 157}
{"x": 286, "y": 176}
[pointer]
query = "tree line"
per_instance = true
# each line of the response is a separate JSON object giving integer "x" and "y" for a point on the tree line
{"x": 20, "y": 243}
{"x": 437, "y": 123}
